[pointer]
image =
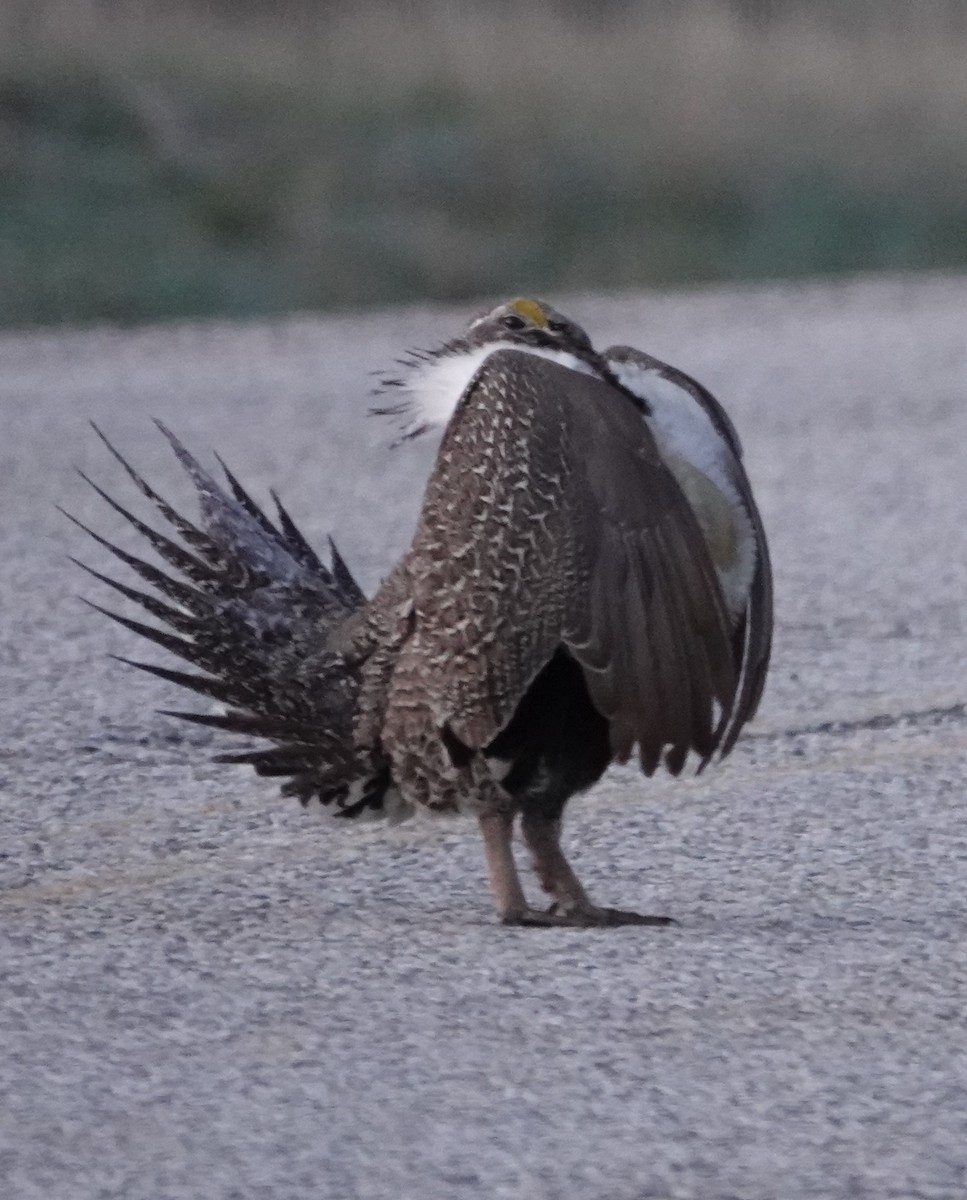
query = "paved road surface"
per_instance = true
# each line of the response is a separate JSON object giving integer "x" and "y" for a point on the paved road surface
{"x": 207, "y": 993}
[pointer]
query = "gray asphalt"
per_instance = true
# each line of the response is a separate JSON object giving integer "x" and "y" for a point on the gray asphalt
{"x": 208, "y": 993}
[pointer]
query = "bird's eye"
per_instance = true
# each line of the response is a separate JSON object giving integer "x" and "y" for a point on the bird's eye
{"x": 511, "y": 322}
{"x": 557, "y": 327}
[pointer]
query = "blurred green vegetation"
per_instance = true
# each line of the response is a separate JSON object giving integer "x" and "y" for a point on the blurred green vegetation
{"x": 160, "y": 160}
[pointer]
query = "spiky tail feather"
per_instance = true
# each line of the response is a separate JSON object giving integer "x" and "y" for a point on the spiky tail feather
{"x": 251, "y": 604}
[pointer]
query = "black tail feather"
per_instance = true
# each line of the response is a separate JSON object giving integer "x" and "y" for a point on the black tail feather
{"x": 251, "y": 726}
{"x": 190, "y": 598}
{"x": 290, "y": 760}
{"x": 344, "y": 577}
{"x": 174, "y": 645}
{"x": 215, "y": 689}
{"x": 252, "y": 610}
{"x": 294, "y": 539}
{"x": 181, "y": 621}
{"x": 246, "y": 501}
{"x": 196, "y": 570}
{"x": 193, "y": 536}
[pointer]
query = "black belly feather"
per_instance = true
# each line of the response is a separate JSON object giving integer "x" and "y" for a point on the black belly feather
{"x": 557, "y": 742}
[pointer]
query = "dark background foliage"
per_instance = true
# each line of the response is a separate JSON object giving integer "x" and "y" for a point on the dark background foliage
{"x": 238, "y": 157}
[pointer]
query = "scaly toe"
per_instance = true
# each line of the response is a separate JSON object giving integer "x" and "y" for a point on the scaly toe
{"x": 557, "y": 917}
{"x": 618, "y": 916}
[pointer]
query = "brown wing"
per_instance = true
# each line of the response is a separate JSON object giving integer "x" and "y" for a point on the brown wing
{"x": 550, "y": 519}
{"x": 752, "y": 640}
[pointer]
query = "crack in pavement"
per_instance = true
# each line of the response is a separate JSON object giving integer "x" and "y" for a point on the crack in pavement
{"x": 925, "y": 717}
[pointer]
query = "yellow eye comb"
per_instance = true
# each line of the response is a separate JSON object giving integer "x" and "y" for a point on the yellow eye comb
{"x": 531, "y": 310}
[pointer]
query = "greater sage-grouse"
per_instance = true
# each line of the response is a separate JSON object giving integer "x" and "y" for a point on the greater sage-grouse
{"x": 589, "y": 580}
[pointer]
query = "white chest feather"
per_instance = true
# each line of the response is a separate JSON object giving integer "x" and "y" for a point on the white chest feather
{"x": 705, "y": 468}
{"x": 437, "y": 386}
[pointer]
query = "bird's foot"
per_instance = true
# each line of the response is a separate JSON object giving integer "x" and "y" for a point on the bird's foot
{"x": 590, "y": 917}
{"x": 620, "y": 916}
{"x": 536, "y": 918}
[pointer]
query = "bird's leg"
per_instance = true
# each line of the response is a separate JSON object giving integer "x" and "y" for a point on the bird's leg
{"x": 497, "y": 827}
{"x": 555, "y": 873}
{"x": 572, "y": 904}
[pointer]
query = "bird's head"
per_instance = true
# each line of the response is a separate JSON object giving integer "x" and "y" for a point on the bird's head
{"x": 429, "y": 383}
{"x": 529, "y": 322}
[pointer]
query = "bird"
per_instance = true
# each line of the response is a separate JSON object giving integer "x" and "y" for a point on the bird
{"x": 588, "y": 583}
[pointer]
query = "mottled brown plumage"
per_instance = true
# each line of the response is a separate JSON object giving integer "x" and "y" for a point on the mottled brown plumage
{"x": 558, "y": 609}
{"x": 568, "y": 532}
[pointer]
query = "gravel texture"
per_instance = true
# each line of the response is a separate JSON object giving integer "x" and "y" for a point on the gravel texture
{"x": 207, "y": 992}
